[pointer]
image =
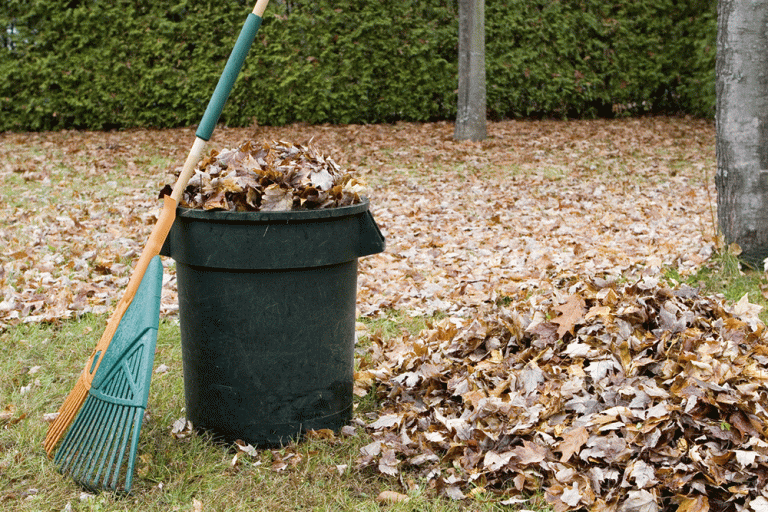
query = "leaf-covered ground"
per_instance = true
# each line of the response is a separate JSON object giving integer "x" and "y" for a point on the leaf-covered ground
{"x": 537, "y": 203}
{"x": 560, "y": 358}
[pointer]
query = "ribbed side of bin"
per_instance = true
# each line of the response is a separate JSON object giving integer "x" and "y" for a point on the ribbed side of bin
{"x": 267, "y": 314}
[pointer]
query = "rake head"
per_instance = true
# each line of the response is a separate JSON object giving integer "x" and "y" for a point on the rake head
{"x": 99, "y": 450}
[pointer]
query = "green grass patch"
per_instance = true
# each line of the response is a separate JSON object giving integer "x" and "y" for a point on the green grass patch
{"x": 395, "y": 322}
{"x": 725, "y": 275}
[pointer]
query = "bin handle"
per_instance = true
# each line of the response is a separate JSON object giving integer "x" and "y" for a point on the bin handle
{"x": 371, "y": 239}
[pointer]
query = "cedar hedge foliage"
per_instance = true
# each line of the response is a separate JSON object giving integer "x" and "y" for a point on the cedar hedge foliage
{"x": 100, "y": 64}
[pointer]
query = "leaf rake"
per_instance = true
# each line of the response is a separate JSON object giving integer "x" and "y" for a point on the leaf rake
{"x": 100, "y": 451}
{"x": 105, "y": 409}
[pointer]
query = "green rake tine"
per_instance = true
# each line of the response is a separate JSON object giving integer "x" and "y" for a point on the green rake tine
{"x": 116, "y": 412}
{"x": 114, "y": 442}
{"x": 102, "y": 436}
{"x": 134, "y": 444}
{"x": 86, "y": 455}
{"x": 102, "y": 451}
{"x": 118, "y": 452}
{"x": 73, "y": 446}
{"x": 66, "y": 452}
{"x": 111, "y": 455}
{"x": 118, "y": 456}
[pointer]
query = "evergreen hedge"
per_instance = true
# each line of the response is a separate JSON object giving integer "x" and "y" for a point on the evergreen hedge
{"x": 124, "y": 63}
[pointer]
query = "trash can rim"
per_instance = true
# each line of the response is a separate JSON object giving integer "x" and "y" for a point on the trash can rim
{"x": 290, "y": 215}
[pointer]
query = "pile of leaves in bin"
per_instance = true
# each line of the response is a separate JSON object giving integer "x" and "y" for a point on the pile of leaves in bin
{"x": 277, "y": 176}
{"x": 604, "y": 397}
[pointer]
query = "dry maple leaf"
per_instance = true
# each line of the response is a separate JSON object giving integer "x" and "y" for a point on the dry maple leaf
{"x": 276, "y": 199}
{"x": 572, "y": 442}
{"x": 392, "y": 497}
{"x": 529, "y": 453}
{"x": 693, "y": 504}
{"x": 388, "y": 462}
{"x": 571, "y": 312}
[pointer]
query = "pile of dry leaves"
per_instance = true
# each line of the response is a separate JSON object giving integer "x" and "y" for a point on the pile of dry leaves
{"x": 272, "y": 177}
{"x": 607, "y": 398}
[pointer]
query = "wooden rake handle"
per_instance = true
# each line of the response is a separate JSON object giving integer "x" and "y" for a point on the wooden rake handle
{"x": 220, "y": 95}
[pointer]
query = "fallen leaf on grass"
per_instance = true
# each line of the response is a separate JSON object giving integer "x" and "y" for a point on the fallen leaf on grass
{"x": 493, "y": 461}
{"x": 243, "y": 447}
{"x": 385, "y": 421}
{"x": 759, "y": 504}
{"x": 50, "y": 416}
{"x": 388, "y": 463}
{"x": 571, "y": 495}
{"x": 693, "y": 504}
{"x": 453, "y": 492}
{"x": 7, "y": 418}
{"x": 572, "y": 442}
{"x": 747, "y": 311}
{"x": 391, "y": 497}
{"x": 639, "y": 501}
{"x": 529, "y": 453}
{"x": 371, "y": 449}
{"x": 181, "y": 428}
{"x": 321, "y": 433}
{"x": 7, "y": 413}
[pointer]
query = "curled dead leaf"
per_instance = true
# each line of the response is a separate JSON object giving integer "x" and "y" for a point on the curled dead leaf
{"x": 391, "y": 497}
{"x": 181, "y": 428}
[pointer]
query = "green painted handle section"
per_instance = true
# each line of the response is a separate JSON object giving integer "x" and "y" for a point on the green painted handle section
{"x": 228, "y": 77}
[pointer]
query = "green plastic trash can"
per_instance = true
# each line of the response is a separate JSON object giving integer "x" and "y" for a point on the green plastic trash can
{"x": 267, "y": 315}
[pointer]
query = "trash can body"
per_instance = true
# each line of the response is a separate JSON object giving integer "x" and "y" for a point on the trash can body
{"x": 267, "y": 316}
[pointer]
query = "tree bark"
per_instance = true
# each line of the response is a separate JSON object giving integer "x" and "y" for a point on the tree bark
{"x": 470, "y": 118}
{"x": 742, "y": 126}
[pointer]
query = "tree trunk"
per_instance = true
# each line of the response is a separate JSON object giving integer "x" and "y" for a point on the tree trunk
{"x": 742, "y": 126}
{"x": 470, "y": 118}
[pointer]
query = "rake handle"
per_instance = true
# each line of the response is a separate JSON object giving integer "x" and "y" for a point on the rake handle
{"x": 168, "y": 212}
{"x": 231, "y": 71}
{"x": 220, "y": 96}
